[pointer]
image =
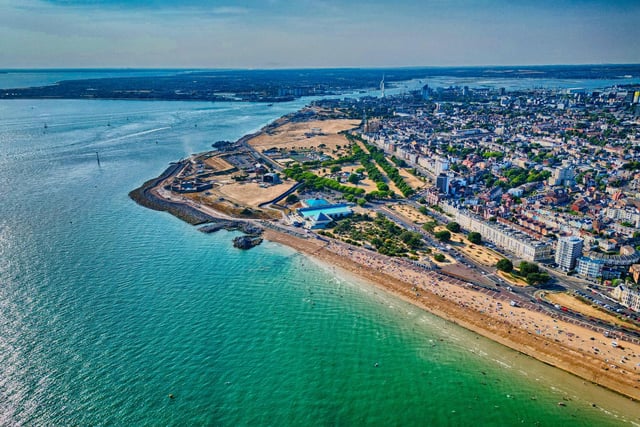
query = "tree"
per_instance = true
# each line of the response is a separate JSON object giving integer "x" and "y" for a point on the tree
{"x": 354, "y": 178}
{"x": 474, "y": 237}
{"x": 439, "y": 257}
{"x": 292, "y": 198}
{"x": 411, "y": 239}
{"x": 537, "y": 278}
{"x": 443, "y": 236}
{"x": 453, "y": 227}
{"x": 525, "y": 268}
{"x": 505, "y": 265}
{"x": 430, "y": 226}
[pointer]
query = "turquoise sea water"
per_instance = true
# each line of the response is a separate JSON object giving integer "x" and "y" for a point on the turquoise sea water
{"x": 106, "y": 308}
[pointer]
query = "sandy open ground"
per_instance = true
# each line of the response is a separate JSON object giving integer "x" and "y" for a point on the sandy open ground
{"x": 572, "y": 303}
{"x": 291, "y": 135}
{"x": 251, "y": 193}
{"x": 413, "y": 181}
{"x": 219, "y": 164}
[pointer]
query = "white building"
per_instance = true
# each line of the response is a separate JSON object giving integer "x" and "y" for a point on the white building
{"x": 568, "y": 250}
{"x": 561, "y": 176}
{"x": 505, "y": 237}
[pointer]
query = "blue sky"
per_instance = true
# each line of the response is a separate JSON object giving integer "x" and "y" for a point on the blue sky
{"x": 316, "y": 33}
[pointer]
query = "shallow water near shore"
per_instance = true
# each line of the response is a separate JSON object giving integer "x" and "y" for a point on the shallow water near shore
{"x": 107, "y": 308}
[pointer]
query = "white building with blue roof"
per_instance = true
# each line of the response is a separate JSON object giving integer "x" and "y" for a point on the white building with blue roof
{"x": 318, "y": 213}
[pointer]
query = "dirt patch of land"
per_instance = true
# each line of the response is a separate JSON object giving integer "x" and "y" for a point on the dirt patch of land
{"x": 219, "y": 164}
{"x": 516, "y": 281}
{"x": 410, "y": 213}
{"x": 252, "y": 193}
{"x": 412, "y": 180}
{"x": 574, "y": 304}
{"x": 305, "y": 135}
{"x": 479, "y": 253}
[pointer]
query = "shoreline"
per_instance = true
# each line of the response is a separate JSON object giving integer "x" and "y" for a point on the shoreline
{"x": 527, "y": 329}
{"x": 553, "y": 352}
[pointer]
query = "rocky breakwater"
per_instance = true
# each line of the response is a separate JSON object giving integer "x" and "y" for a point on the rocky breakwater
{"x": 246, "y": 242}
{"x": 252, "y": 233}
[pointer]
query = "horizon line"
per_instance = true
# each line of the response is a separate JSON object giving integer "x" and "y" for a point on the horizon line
{"x": 364, "y": 67}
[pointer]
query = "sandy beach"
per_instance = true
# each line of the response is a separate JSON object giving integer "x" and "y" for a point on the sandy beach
{"x": 576, "y": 349}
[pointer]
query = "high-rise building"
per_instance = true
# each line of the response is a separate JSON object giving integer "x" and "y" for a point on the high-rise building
{"x": 561, "y": 176}
{"x": 442, "y": 183}
{"x": 568, "y": 250}
{"x": 426, "y": 92}
{"x": 382, "y": 87}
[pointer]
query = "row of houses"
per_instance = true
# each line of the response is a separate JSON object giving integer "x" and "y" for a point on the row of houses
{"x": 501, "y": 235}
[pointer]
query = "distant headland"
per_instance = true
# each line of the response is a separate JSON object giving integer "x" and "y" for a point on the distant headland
{"x": 285, "y": 85}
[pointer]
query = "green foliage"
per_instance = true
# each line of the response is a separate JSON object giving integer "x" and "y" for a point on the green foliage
{"x": 537, "y": 278}
{"x": 381, "y": 186}
{"x": 382, "y": 233}
{"x": 453, "y": 227}
{"x": 399, "y": 162}
{"x": 493, "y": 154}
{"x": 532, "y": 274}
{"x": 443, "y": 236}
{"x": 631, "y": 166}
{"x": 430, "y": 226}
{"x": 505, "y": 265}
{"x": 292, "y": 198}
{"x": 412, "y": 239}
{"x": 318, "y": 183}
{"x": 526, "y": 268}
{"x": 342, "y": 226}
{"x": 354, "y": 178}
{"x": 474, "y": 237}
{"x": 439, "y": 257}
{"x": 517, "y": 176}
{"x": 361, "y": 202}
{"x": 391, "y": 171}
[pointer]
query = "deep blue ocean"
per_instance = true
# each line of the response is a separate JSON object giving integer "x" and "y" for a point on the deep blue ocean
{"x": 107, "y": 308}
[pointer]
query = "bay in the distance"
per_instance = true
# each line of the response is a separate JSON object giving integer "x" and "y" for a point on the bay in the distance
{"x": 106, "y": 308}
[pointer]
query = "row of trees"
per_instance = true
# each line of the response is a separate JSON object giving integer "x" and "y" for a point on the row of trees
{"x": 392, "y": 172}
{"x": 452, "y": 227}
{"x": 316, "y": 182}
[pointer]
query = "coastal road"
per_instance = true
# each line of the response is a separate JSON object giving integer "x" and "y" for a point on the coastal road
{"x": 523, "y": 297}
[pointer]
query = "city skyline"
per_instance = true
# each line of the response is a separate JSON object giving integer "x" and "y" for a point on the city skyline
{"x": 314, "y": 33}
